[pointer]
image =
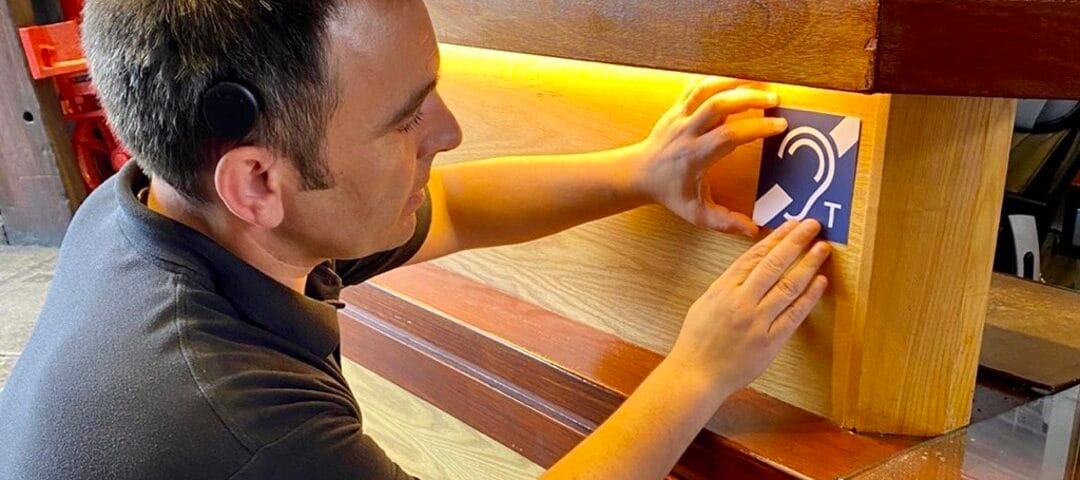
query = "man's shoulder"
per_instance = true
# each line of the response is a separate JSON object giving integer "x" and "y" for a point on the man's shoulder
{"x": 260, "y": 384}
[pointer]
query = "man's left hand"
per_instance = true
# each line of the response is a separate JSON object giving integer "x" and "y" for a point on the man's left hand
{"x": 672, "y": 163}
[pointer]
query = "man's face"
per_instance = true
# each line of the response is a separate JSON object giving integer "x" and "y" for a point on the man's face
{"x": 382, "y": 138}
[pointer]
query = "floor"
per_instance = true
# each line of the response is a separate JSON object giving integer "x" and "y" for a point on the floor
{"x": 25, "y": 273}
{"x": 426, "y": 442}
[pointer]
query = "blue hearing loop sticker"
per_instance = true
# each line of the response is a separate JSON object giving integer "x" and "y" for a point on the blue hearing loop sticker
{"x": 809, "y": 172}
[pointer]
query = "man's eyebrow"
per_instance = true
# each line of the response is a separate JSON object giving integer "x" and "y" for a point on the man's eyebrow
{"x": 414, "y": 103}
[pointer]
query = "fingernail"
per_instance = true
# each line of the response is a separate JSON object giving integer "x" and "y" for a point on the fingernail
{"x": 773, "y": 98}
{"x": 823, "y": 248}
{"x": 780, "y": 123}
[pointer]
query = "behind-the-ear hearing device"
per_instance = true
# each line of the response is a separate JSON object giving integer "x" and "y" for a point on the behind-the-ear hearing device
{"x": 230, "y": 110}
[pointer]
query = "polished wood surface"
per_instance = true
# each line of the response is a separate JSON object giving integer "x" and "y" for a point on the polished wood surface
{"x": 427, "y": 442}
{"x": 1033, "y": 334}
{"x": 39, "y": 184}
{"x": 999, "y": 48}
{"x": 570, "y": 376}
{"x": 926, "y": 174}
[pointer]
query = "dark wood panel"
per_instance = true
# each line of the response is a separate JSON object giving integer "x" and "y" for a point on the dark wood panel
{"x": 826, "y": 43}
{"x": 1041, "y": 364}
{"x": 39, "y": 185}
{"x": 1003, "y": 48}
{"x": 580, "y": 372}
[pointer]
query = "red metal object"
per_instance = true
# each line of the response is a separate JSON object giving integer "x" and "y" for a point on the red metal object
{"x": 55, "y": 51}
{"x": 72, "y": 8}
{"x": 97, "y": 151}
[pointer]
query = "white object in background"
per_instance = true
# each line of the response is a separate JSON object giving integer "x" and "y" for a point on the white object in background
{"x": 1025, "y": 233}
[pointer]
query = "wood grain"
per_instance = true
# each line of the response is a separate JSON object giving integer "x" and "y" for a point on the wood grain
{"x": 570, "y": 371}
{"x": 1001, "y": 48}
{"x": 1034, "y": 309}
{"x": 1033, "y": 334}
{"x": 927, "y": 186}
{"x": 39, "y": 183}
{"x": 634, "y": 274}
{"x": 822, "y": 43}
{"x": 921, "y": 310}
{"x": 427, "y": 442}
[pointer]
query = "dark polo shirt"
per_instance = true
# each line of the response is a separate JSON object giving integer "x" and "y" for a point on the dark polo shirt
{"x": 160, "y": 355}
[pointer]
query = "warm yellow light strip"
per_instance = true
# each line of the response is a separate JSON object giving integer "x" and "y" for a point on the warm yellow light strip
{"x": 479, "y": 62}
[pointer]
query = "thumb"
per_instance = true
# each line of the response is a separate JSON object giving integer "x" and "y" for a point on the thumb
{"x": 722, "y": 219}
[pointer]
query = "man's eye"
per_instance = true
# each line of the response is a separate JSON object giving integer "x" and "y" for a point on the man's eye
{"x": 414, "y": 122}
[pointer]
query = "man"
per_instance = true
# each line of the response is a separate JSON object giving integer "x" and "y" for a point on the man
{"x": 191, "y": 332}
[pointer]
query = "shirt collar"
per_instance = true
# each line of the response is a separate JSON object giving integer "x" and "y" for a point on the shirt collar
{"x": 261, "y": 300}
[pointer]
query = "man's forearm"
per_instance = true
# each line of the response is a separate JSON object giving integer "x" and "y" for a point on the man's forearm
{"x": 513, "y": 200}
{"x": 645, "y": 437}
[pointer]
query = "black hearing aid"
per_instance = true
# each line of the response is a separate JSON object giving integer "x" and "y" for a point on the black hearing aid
{"x": 230, "y": 110}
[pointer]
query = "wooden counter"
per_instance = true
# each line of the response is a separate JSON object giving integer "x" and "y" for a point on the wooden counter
{"x": 538, "y": 382}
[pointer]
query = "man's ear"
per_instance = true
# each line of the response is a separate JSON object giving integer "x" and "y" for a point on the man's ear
{"x": 250, "y": 182}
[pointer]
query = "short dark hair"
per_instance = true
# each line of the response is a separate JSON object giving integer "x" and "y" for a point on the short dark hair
{"x": 152, "y": 60}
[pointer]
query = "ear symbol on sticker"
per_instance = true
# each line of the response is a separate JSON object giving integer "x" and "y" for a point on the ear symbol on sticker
{"x": 777, "y": 200}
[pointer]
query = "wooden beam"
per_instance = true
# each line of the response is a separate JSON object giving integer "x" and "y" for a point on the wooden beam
{"x": 636, "y": 274}
{"x": 39, "y": 183}
{"x": 999, "y": 48}
{"x": 826, "y": 43}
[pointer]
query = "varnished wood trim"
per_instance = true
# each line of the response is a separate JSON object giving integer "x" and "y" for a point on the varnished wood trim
{"x": 568, "y": 371}
{"x": 525, "y": 404}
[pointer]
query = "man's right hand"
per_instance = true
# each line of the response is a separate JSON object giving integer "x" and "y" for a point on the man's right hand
{"x": 736, "y": 329}
{"x": 730, "y": 336}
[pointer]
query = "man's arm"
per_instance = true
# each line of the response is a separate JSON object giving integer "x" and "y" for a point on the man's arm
{"x": 731, "y": 334}
{"x": 514, "y": 200}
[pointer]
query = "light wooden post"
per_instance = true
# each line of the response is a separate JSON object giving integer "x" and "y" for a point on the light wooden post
{"x": 906, "y": 360}
{"x": 893, "y": 348}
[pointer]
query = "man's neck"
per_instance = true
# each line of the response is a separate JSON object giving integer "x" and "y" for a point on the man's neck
{"x": 166, "y": 201}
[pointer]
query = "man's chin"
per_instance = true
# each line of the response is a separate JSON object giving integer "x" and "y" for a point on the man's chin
{"x": 402, "y": 233}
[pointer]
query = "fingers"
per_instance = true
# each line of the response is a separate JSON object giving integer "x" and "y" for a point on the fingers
{"x": 726, "y": 138}
{"x": 790, "y": 320}
{"x": 717, "y": 108}
{"x": 771, "y": 268}
{"x": 721, "y": 219}
{"x": 794, "y": 283}
{"x": 740, "y": 270}
{"x": 698, "y": 92}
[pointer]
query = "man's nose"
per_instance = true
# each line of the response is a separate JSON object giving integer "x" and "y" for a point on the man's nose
{"x": 447, "y": 132}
